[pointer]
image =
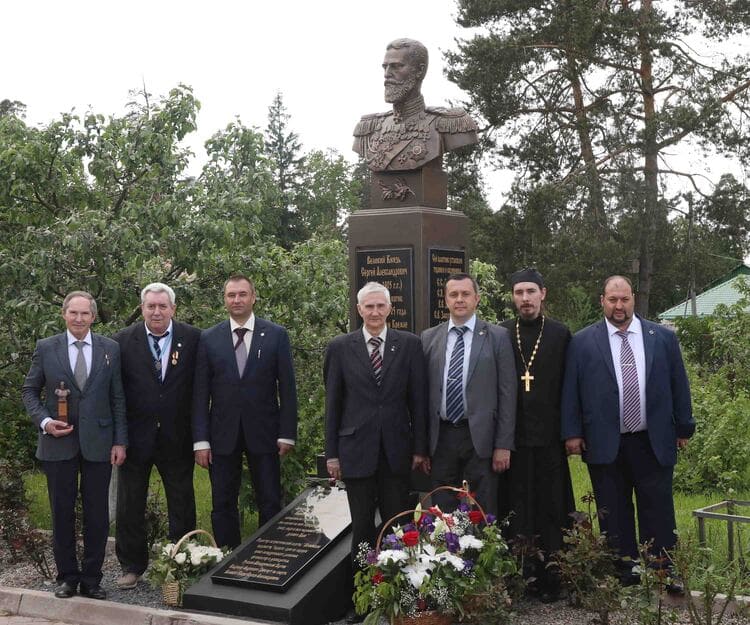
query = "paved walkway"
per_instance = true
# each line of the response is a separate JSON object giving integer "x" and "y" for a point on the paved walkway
{"x": 34, "y": 607}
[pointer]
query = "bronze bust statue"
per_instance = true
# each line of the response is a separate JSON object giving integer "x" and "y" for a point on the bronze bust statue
{"x": 410, "y": 135}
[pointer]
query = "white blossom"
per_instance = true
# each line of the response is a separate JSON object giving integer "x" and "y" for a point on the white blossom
{"x": 394, "y": 555}
{"x": 470, "y": 542}
{"x": 180, "y": 558}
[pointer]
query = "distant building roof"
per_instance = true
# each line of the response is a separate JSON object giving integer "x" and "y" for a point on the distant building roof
{"x": 720, "y": 291}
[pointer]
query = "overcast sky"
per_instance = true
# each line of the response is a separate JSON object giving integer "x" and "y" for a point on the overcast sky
{"x": 324, "y": 56}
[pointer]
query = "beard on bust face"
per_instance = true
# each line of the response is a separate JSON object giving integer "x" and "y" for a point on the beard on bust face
{"x": 398, "y": 91}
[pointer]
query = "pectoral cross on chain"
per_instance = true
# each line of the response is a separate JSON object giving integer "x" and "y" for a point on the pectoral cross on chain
{"x": 527, "y": 378}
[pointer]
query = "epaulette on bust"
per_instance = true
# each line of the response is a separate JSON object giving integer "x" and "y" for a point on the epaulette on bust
{"x": 370, "y": 123}
{"x": 453, "y": 120}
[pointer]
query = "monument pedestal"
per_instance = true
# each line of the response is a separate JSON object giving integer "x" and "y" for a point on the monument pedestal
{"x": 411, "y": 250}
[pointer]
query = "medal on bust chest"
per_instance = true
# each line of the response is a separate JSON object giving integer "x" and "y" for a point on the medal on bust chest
{"x": 527, "y": 378}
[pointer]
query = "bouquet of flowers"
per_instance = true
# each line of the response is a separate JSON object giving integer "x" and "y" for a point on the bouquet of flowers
{"x": 454, "y": 564}
{"x": 177, "y": 565}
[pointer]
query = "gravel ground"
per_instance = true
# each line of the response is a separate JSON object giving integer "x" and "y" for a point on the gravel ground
{"x": 529, "y": 612}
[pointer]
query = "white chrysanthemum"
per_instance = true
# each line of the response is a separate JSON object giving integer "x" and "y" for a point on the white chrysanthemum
{"x": 394, "y": 555}
{"x": 180, "y": 558}
{"x": 167, "y": 549}
{"x": 470, "y": 542}
{"x": 456, "y": 562}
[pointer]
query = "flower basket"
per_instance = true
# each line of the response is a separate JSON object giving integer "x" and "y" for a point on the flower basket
{"x": 178, "y": 565}
{"x": 426, "y": 617}
{"x": 435, "y": 567}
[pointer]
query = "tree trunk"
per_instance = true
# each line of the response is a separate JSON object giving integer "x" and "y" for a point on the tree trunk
{"x": 650, "y": 198}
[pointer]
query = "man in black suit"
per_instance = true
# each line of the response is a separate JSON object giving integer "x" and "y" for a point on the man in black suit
{"x": 244, "y": 401}
{"x": 80, "y": 371}
{"x": 158, "y": 364}
{"x": 376, "y": 429}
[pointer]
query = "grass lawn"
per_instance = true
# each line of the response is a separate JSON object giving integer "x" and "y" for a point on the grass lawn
{"x": 716, "y": 531}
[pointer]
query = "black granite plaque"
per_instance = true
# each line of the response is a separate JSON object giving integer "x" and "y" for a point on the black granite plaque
{"x": 394, "y": 269}
{"x": 441, "y": 264}
{"x": 280, "y": 552}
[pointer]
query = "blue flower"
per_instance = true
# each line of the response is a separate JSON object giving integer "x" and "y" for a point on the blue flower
{"x": 491, "y": 518}
{"x": 372, "y": 557}
{"x": 468, "y": 567}
{"x": 410, "y": 527}
{"x": 464, "y": 507}
{"x": 451, "y": 542}
{"x": 391, "y": 542}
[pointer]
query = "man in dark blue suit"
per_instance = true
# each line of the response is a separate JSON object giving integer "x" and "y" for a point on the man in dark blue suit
{"x": 244, "y": 401}
{"x": 626, "y": 409}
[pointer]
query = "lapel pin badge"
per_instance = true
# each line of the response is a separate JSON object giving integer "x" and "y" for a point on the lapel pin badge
{"x": 481, "y": 333}
{"x": 262, "y": 333}
{"x": 393, "y": 348}
{"x": 106, "y": 358}
{"x": 650, "y": 331}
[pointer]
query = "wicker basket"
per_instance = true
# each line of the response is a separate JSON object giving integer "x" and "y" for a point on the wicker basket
{"x": 428, "y": 617}
{"x": 172, "y": 591}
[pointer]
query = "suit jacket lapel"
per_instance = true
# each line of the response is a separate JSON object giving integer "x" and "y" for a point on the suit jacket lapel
{"x": 477, "y": 343}
{"x": 441, "y": 340}
{"x": 361, "y": 355}
{"x": 98, "y": 358}
{"x": 602, "y": 342}
{"x": 173, "y": 347}
{"x": 61, "y": 350}
{"x": 649, "y": 343}
{"x": 389, "y": 353}
{"x": 256, "y": 345}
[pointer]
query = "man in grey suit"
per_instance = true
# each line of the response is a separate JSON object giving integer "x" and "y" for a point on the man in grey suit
{"x": 472, "y": 397}
{"x": 80, "y": 370}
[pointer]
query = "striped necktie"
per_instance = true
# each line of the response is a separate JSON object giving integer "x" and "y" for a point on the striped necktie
{"x": 631, "y": 394}
{"x": 157, "y": 352}
{"x": 454, "y": 392}
{"x": 376, "y": 360}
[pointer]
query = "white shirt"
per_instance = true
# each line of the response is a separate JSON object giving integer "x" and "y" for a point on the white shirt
{"x": 368, "y": 336}
{"x": 73, "y": 351}
{"x": 635, "y": 339}
{"x": 249, "y": 325}
{"x": 449, "y": 344}
{"x": 247, "y": 339}
{"x": 165, "y": 343}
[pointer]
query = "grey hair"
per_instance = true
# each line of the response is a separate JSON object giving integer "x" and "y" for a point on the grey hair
{"x": 158, "y": 287}
{"x": 84, "y": 295}
{"x": 373, "y": 287}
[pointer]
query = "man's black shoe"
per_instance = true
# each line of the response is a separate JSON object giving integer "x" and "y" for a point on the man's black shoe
{"x": 95, "y": 592}
{"x": 352, "y": 617}
{"x": 675, "y": 587}
{"x": 65, "y": 590}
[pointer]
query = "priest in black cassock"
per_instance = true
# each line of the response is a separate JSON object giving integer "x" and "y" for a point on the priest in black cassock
{"x": 538, "y": 488}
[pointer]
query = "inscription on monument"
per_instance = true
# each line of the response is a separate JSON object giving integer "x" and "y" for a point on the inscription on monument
{"x": 275, "y": 558}
{"x": 442, "y": 263}
{"x": 394, "y": 269}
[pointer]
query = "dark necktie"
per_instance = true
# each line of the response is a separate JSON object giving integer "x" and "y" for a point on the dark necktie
{"x": 240, "y": 351}
{"x": 80, "y": 373}
{"x": 454, "y": 391}
{"x": 376, "y": 359}
{"x": 631, "y": 394}
{"x": 157, "y": 351}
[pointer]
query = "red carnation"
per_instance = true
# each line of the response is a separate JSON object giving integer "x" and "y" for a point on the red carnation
{"x": 377, "y": 578}
{"x": 475, "y": 516}
{"x": 411, "y": 538}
